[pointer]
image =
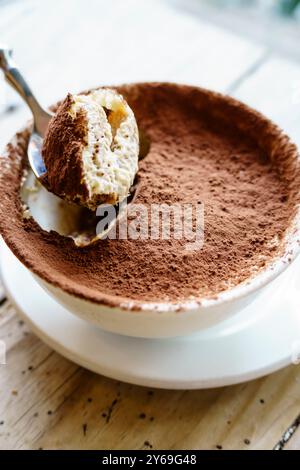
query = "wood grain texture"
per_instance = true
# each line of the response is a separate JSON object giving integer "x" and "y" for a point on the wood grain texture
{"x": 45, "y": 400}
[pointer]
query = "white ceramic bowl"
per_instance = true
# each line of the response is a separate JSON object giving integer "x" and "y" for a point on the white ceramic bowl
{"x": 154, "y": 320}
{"x": 161, "y": 320}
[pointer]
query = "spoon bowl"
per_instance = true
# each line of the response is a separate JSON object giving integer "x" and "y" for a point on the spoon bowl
{"x": 82, "y": 235}
{"x": 34, "y": 152}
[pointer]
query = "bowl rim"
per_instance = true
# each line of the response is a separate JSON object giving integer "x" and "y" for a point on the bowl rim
{"x": 290, "y": 241}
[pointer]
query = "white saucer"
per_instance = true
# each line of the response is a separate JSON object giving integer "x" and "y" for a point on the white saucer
{"x": 261, "y": 339}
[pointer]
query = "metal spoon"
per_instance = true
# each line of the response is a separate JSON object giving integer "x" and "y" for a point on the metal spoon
{"x": 41, "y": 117}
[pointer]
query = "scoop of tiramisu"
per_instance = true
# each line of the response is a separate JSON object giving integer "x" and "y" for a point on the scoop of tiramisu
{"x": 91, "y": 149}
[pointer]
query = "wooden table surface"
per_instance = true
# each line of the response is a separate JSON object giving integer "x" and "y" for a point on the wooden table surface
{"x": 45, "y": 400}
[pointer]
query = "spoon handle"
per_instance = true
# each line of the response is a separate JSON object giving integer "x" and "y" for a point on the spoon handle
{"x": 14, "y": 77}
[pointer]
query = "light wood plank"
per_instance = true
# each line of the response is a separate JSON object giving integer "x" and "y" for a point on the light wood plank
{"x": 231, "y": 418}
{"x": 46, "y": 401}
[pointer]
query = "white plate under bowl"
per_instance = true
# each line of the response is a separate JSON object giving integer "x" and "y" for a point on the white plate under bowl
{"x": 261, "y": 339}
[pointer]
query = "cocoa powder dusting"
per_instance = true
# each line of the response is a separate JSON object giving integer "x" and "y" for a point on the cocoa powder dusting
{"x": 204, "y": 149}
{"x": 62, "y": 155}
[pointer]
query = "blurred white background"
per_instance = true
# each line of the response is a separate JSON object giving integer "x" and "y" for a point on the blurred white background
{"x": 275, "y": 23}
{"x": 70, "y": 45}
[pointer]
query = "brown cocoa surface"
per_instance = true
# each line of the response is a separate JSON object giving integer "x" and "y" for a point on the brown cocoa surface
{"x": 63, "y": 154}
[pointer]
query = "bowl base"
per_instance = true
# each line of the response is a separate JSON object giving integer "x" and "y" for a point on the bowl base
{"x": 261, "y": 339}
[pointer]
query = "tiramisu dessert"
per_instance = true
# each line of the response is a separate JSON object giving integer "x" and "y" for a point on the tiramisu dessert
{"x": 91, "y": 149}
{"x": 205, "y": 149}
